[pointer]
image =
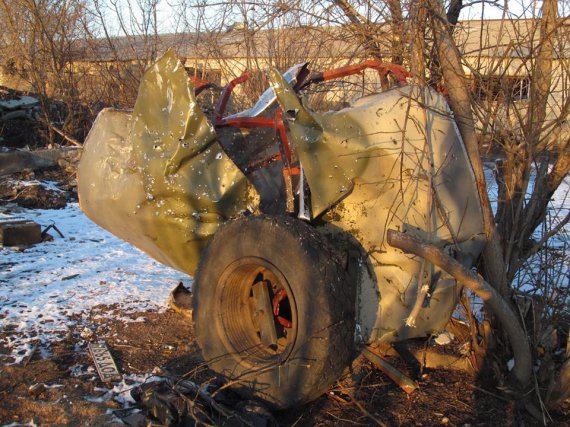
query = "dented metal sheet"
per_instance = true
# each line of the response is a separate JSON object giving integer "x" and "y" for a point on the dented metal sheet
{"x": 157, "y": 177}
{"x": 394, "y": 160}
{"x": 160, "y": 179}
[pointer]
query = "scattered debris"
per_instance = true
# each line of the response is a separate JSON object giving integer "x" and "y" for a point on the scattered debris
{"x": 21, "y": 106}
{"x": 180, "y": 300}
{"x": 166, "y": 404}
{"x": 176, "y": 401}
{"x": 38, "y": 389}
{"x": 421, "y": 355}
{"x": 86, "y": 333}
{"x": 169, "y": 346}
{"x": 33, "y": 194}
{"x": 444, "y": 338}
{"x": 104, "y": 362}
{"x": 27, "y": 122}
{"x": 444, "y": 394}
{"x": 40, "y": 189}
{"x": 20, "y": 160}
{"x": 18, "y": 232}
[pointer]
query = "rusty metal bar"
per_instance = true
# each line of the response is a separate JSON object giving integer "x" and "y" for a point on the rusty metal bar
{"x": 200, "y": 85}
{"x": 223, "y": 102}
{"x": 382, "y": 68}
{"x": 405, "y": 382}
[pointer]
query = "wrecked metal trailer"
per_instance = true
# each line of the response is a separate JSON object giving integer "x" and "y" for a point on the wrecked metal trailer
{"x": 281, "y": 213}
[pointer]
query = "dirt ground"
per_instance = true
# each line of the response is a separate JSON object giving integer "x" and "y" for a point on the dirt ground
{"x": 61, "y": 387}
{"x": 71, "y": 393}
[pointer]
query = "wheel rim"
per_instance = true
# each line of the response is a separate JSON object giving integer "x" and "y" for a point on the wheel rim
{"x": 242, "y": 323}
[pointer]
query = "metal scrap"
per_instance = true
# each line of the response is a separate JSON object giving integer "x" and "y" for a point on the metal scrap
{"x": 164, "y": 179}
{"x": 405, "y": 382}
{"x": 104, "y": 362}
{"x": 157, "y": 177}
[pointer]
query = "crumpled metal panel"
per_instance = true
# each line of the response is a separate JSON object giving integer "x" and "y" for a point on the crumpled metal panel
{"x": 379, "y": 158}
{"x": 157, "y": 177}
{"x": 267, "y": 98}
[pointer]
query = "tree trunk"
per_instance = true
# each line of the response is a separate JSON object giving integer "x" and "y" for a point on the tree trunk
{"x": 417, "y": 41}
{"x": 519, "y": 217}
{"x": 397, "y": 30}
{"x": 542, "y": 73}
{"x": 453, "y": 12}
{"x": 460, "y": 102}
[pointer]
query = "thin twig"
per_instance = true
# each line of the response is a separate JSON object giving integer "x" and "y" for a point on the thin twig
{"x": 504, "y": 399}
{"x": 344, "y": 420}
{"x": 128, "y": 346}
{"x": 65, "y": 136}
{"x": 365, "y": 412}
{"x": 34, "y": 349}
{"x": 548, "y": 235}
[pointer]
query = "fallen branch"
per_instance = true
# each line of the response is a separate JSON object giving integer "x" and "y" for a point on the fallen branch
{"x": 502, "y": 310}
{"x": 65, "y": 136}
{"x": 16, "y": 161}
{"x": 487, "y": 392}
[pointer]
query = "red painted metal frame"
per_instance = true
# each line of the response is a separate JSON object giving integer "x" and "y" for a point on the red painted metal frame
{"x": 277, "y": 122}
{"x": 280, "y": 296}
{"x": 200, "y": 84}
{"x": 225, "y": 96}
{"x": 383, "y": 68}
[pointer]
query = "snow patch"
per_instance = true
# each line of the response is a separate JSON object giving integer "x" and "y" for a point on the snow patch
{"x": 444, "y": 338}
{"x": 47, "y": 289}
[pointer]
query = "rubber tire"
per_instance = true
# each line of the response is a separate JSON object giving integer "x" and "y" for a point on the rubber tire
{"x": 323, "y": 296}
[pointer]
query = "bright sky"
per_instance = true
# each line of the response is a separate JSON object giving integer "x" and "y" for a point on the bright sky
{"x": 171, "y": 17}
{"x": 514, "y": 9}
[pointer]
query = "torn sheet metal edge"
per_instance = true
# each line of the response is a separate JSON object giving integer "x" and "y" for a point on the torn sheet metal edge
{"x": 364, "y": 162}
{"x": 267, "y": 98}
{"x": 157, "y": 177}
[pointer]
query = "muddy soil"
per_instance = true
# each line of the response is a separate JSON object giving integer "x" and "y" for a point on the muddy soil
{"x": 71, "y": 393}
{"x": 70, "y": 388}
{"x": 58, "y": 385}
{"x": 32, "y": 189}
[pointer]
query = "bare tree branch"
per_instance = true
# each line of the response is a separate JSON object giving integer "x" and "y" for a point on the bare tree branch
{"x": 509, "y": 320}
